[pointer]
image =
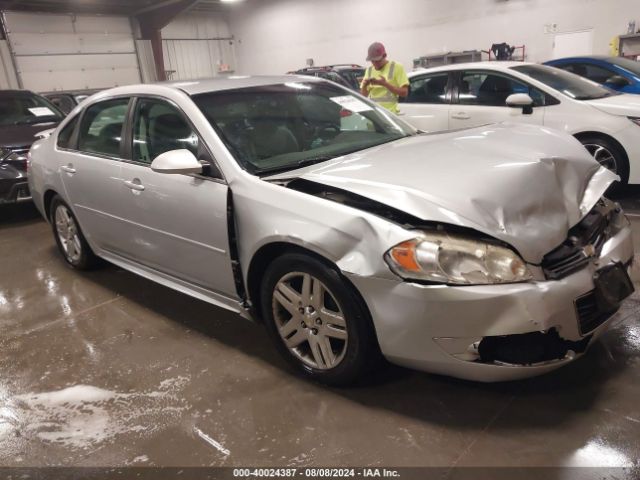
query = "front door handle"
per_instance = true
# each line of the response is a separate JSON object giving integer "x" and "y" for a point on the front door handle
{"x": 461, "y": 116}
{"x": 134, "y": 185}
{"x": 68, "y": 168}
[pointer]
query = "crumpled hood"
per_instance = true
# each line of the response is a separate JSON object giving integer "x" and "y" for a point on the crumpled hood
{"x": 624, "y": 104}
{"x": 522, "y": 184}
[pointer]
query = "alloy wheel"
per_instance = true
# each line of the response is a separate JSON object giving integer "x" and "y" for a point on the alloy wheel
{"x": 310, "y": 320}
{"x": 68, "y": 234}
{"x": 603, "y": 156}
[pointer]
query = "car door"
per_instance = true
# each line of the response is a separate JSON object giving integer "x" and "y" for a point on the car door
{"x": 90, "y": 170}
{"x": 178, "y": 221}
{"x": 428, "y": 103}
{"x": 481, "y": 99}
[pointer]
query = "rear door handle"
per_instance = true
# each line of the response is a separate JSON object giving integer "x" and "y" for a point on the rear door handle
{"x": 461, "y": 116}
{"x": 68, "y": 168}
{"x": 135, "y": 185}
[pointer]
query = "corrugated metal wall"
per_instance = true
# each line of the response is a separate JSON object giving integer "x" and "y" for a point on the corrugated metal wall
{"x": 190, "y": 59}
{"x": 65, "y": 52}
{"x": 195, "y": 46}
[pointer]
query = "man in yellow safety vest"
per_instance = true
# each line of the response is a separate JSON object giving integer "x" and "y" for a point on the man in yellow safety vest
{"x": 385, "y": 81}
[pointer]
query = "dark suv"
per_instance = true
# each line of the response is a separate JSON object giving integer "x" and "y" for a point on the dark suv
{"x": 347, "y": 75}
{"x": 23, "y": 114}
{"x": 67, "y": 100}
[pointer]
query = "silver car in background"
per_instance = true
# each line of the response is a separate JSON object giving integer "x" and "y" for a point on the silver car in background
{"x": 488, "y": 254}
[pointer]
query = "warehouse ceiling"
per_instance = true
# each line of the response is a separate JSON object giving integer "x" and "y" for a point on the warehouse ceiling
{"x": 116, "y": 7}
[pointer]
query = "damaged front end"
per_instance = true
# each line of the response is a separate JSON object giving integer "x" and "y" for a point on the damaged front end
{"x": 508, "y": 271}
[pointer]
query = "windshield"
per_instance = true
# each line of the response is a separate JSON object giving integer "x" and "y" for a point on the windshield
{"x": 353, "y": 76}
{"x": 282, "y": 127}
{"x": 627, "y": 64}
{"x": 25, "y": 109}
{"x": 571, "y": 85}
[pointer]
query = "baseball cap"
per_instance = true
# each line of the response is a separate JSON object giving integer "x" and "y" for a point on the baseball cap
{"x": 376, "y": 52}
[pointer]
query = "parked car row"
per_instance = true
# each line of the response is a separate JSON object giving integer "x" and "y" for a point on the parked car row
{"x": 487, "y": 253}
{"x": 22, "y": 115}
{"x": 456, "y": 96}
{"x": 469, "y": 236}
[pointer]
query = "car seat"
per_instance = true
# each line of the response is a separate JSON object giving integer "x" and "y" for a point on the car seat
{"x": 494, "y": 91}
{"x": 108, "y": 140}
{"x": 167, "y": 132}
{"x": 270, "y": 135}
{"x": 435, "y": 89}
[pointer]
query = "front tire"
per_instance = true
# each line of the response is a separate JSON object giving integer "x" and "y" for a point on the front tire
{"x": 608, "y": 154}
{"x": 317, "y": 321}
{"x": 69, "y": 238}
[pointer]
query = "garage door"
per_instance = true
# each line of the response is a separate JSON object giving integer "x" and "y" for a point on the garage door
{"x": 69, "y": 52}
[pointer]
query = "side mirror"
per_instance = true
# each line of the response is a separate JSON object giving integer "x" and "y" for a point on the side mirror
{"x": 176, "y": 161}
{"x": 617, "y": 81}
{"x": 521, "y": 100}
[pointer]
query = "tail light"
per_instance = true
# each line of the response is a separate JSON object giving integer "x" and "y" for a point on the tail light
{"x": 345, "y": 113}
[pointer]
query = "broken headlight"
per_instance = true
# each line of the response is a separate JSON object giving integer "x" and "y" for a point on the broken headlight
{"x": 442, "y": 258}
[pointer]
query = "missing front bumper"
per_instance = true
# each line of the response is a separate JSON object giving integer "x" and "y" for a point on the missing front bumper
{"x": 532, "y": 348}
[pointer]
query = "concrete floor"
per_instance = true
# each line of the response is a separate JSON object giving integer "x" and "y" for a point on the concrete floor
{"x": 108, "y": 369}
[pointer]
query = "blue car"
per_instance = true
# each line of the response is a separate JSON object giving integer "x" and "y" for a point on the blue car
{"x": 617, "y": 73}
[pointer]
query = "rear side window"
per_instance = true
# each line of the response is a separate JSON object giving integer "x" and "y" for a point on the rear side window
{"x": 64, "y": 137}
{"x": 101, "y": 127}
{"x": 428, "y": 89}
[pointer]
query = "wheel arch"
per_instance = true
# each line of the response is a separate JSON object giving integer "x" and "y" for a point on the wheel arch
{"x": 46, "y": 202}
{"x": 609, "y": 138}
{"x": 263, "y": 257}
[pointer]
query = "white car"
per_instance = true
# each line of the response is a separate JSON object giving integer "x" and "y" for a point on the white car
{"x": 465, "y": 95}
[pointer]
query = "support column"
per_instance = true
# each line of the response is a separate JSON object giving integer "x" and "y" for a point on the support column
{"x": 152, "y": 20}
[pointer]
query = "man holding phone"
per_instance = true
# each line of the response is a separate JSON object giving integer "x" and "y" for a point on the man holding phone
{"x": 385, "y": 81}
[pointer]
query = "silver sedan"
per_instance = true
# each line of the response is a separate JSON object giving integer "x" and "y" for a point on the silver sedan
{"x": 488, "y": 254}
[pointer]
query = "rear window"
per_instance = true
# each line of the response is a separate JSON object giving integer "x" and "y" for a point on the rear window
{"x": 569, "y": 84}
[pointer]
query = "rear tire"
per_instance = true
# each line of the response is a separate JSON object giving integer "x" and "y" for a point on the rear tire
{"x": 71, "y": 242}
{"x": 609, "y": 154}
{"x": 317, "y": 321}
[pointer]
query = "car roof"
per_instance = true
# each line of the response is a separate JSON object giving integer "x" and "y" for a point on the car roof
{"x": 195, "y": 87}
{"x": 494, "y": 65}
{"x": 14, "y": 93}
{"x": 341, "y": 66}
{"x": 88, "y": 91}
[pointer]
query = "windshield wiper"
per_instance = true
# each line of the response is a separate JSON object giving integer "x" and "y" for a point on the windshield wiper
{"x": 293, "y": 166}
{"x": 33, "y": 121}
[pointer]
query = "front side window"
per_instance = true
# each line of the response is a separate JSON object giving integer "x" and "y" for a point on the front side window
{"x": 571, "y": 85}
{"x": 159, "y": 127}
{"x": 101, "y": 127}
{"x": 428, "y": 89}
{"x": 24, "y": 108}
{"x": 493, "y": 89}
{"x": 286, "y": 126}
